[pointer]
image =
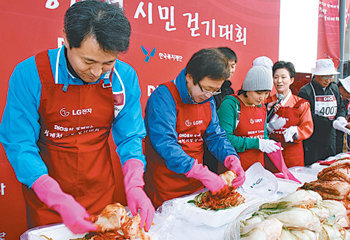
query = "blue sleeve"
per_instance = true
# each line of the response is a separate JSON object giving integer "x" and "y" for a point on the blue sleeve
{"x": 19, "y": 129}
{"x": 128, "y": 127}
{"x": 160, "y": 121}
{"x": 216, "y": 139}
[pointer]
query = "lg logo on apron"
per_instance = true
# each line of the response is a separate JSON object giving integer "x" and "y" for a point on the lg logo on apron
{"x": 75, "y": 112}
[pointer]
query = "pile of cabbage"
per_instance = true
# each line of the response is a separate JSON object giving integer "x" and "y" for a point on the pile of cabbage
{"x": 300, "y": 215}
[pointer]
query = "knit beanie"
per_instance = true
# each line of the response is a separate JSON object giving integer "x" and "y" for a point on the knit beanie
{"x": 258, "y": 78}
{"x": 263, "y": 61}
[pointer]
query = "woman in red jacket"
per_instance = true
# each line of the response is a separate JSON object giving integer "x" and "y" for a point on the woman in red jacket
{"x": 291, "y": 122}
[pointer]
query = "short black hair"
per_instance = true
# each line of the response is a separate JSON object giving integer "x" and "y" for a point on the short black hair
{"x": 287, "y": 65}
{"x": 105, "y": 22}
{"x": 240, "y": 92}
{"x": 208, "y": 62}
{"x": 229, "y": 53}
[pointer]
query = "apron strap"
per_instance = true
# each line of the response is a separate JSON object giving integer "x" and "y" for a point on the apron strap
{"x": 174, "y": 92}
{"x": 44, "y": 67}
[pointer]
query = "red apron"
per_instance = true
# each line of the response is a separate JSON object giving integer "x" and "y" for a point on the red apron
{"x": 293, "y": 153}
{"x": 192, "y": 120}
{"x": 252, "y": 125}
{"x": 75, "y": 126}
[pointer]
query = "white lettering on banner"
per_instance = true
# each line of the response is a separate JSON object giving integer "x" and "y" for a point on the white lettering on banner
{"x": 150, "y": 89}
{"x": 2, "y": 235}
{"x": 2, "y": 189}
{"x": 164, "y": 15}
{"x": 140, "y": 10}
{"x": 324, "y": 7}
{"x": 169, "y": 56}
{"x": 52, "y": 4}
{"x": 207, "y": 29}
{"x": 225, "y": 31}
{"x": 194, "y": 23}
{"x": 190, "y": 21}
{"x": 241, "y": 36}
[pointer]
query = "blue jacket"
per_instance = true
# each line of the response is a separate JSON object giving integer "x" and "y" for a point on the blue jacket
{"x": 160, "y": 120}
{"x": 19, "y": 129}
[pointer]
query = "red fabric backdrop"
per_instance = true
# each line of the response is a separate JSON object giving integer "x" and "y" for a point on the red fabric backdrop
{"x": 328, "y": 30}
{"x": 173, "y": 29}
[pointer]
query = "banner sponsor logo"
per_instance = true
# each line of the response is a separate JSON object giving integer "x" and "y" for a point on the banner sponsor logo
{"x": 148, "y": 53}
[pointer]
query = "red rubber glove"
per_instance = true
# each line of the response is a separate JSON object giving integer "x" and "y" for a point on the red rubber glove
{"x": 135, "y": 195}
{"x": 233, "y": 163}
{"x": 209, "y": 179}
{"x": 73, "y": 215}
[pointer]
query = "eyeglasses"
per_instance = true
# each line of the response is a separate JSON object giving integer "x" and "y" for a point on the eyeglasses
{"x": 332, "y": 77}
{"x": 209, "y": 92}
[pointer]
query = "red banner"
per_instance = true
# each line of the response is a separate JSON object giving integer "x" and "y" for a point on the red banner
{"x": 328, "y": 30}
{"x": 165, "y": 34}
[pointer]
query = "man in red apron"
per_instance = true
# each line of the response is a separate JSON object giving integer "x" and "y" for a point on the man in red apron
{"x": 179, "y": 116}
{"x": 62, "y": 105}
{"x": 327, "y": 111}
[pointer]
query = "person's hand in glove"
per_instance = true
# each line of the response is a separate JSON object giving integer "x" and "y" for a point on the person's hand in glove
{"x": 233, "y": 163}
{"x": 73, "y": 215}
{"x": 268, "y": 146}
{"x": 135, "y": 195}
{"x": 340, "y": 124}
{"x": 291, "y": 134}
{"x": 209, "y": 179}
{"x": 275, "y": 124}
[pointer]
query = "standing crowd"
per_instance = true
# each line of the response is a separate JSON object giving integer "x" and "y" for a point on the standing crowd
{"x": 195, "y": 126}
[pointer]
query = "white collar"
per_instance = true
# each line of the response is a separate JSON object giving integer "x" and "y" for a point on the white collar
{"x": 286, "y": 98}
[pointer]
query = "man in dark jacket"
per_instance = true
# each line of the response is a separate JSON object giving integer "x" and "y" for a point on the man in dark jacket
{"x": 327, "y": 110}
{"x": 225, "y": 90}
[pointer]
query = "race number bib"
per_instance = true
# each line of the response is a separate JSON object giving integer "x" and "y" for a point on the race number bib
{"x": 326, "y": 106}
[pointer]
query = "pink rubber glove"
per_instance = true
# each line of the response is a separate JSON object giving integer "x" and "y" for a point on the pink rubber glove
{"x": 135, "y": 195}
{"x": 233, "y": 163}
{"x": 277, "y": 159}
{"x": 73, "y": 215}
{"x": 209, "y": 179}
